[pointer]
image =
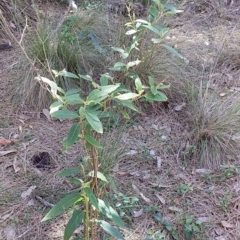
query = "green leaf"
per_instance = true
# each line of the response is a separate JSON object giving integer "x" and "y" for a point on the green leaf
{"x": 62, "y": 206}
{"x": 154, "y": 90}
{"x": 110, "y": 229}
{"x": 73, "y": 91}
{"x": 77, "y": 181}
{"x": 104, "y": 79}
{"x": 99, "y": 175}
{"x": 94, "y": 121}
{"x": 131, "y": 32}
{"x": 127, "y": 96}
{"x": 69, "y": 171}
{"x": 91, "y": 196}
{"x": 173, "y": 51}
{"x": 55, "y": 106}
{"x": 124, "y": 55}
{"x": 129, "y": 104}
{"x": 138, "y": 84}
{"x": 156, "y": 40}
{"x": 86, "y": 77}
{"x": 67, "y": 74}
{"x": 98, "y": 95}
{"x": 160, "y": 97}
{"x": 168, "y": 225}
{"x": 117, "y": 69}
{"x": 109, "y": 212}
{"x": 142, "y": 21}
{"x": 162, "y": 86}
{"x": 92, "y": 141}
{"x": 151, "y": 81}
{"x": 172, "y": 9}
{"x": 118, "y": 49}
{"x": 125, "y": 114}
{"x": 65, "y": 114}
{"x": 73, "y": 99}
{"x": 153, "y": 29}
{"x": 73, "y": 224}
{"x": 174, "y": 235}
{"x": 153, "y": 11}
{"x": 158, "y": 217}
{"x": 119, "y": 64}
{"x": 54, "y": 87}
{"x": 133, "y": 63}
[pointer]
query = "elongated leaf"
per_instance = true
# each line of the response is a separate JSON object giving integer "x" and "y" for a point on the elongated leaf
{"x": 151, "y": 81}
{"x": 94, "y": 121}
{"x": 92, "y": 141}
{"x": 73, "y": 224}
{"x": 173, "y": 51}
{"x": 127, "y": 96}
{"x": 98, "y": 95}
{"x": 119, "y": 64}
{"x": 117, "y": 69}
{"x": 133, "y": 63}
{"x": 104, "y": 79}
{"x": 55, "y": 106}
{"x": 118, "y": 49}
{"x": 91, "y": 196}
{"x": 153, "y": 29}
{"x": 138, "y": 84}
{"x": 156, "y": 40}
{"x": 54, "y": 87}
{"x": 154, "y": 90}
{"x": 73, "y": 91}
{"x": 67, "y": 74}
{"x": 65, "y": 114}
{"x": 160, "y": 97}
{"x": 73, "y": 99}
{"x": 99, "y": 175}
{"x": 69, "y": 171}
{"x": 62, "y": 206}
{"x": 129, "y": 104}
{"x": 110, "y": 229}
{"x": 125, "y": 114}
{"x": 171, "y": 8}
{"x": 109, "y": 212}
{"x": 142, "y": 21}
{"x": 162, "y": 86}
{"x": 153, "y": 11}
{"x": 86, "y": 77}
{"x": 131, "y": 32}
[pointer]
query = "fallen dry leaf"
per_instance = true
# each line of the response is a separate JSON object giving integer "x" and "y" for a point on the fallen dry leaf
{"x": 28, "y": 192}
{"x": 176, "y": 201}
{"x": 3, "y": 153}
{"x": 122, "y": 173}
{"x": 137, "y": 214}
{"x": 175, "y": 209}
{"x": 5, "y": 216}
{"x": 10, "y": 232}
{"x": 159, "y": 163}
{"x": 47, "y": 114}
{"x": 4, "y": 141}
{"x": 227, "y": 225}
{"x": 141, "y": 194}
{"x": 131, "y": 152}
{"x": 160, "y": 198}
{"x": 15, "y": 167}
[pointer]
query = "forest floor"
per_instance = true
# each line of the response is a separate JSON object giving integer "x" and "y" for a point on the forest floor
{"x": 149, "y": 162}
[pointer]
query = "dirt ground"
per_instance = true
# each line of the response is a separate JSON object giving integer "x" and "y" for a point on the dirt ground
{"x": 151, "y": 166}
